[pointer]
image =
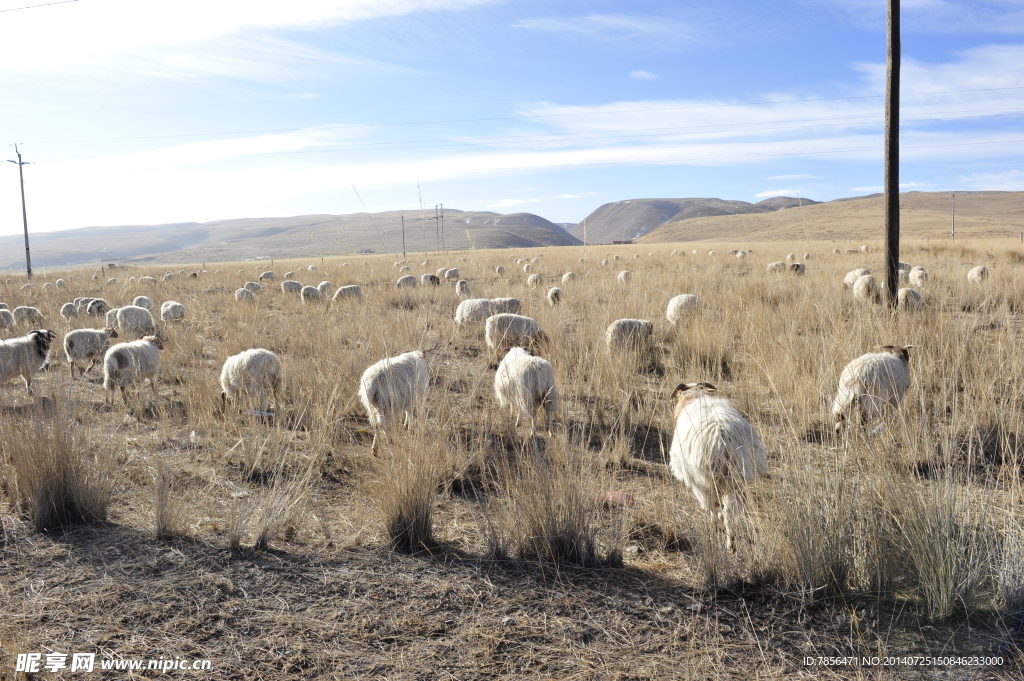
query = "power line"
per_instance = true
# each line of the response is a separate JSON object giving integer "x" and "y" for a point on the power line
{"x": 45, "y": 4}
{"x": 510, "y": 118}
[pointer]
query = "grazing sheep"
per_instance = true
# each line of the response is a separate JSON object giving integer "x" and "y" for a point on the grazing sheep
{"x": 267, "y": 276}
{"x": 499, "y": 270}
{"x": 452, "y": 274}
{"x": 679, "y": 306}
{"x": 27, "y": 315}
{"x": 147, "y": 280}
{"x": 615, "y": 257}
{"x": 714, "y": 451}
{"x": 110, "y": 319}
{"x": 408, "y": 281}
{"x": 311, "y": 268}
{"x": 629, "y": 334}
{"x": 391, "y": 387}
{"x": 917, "y": 277}
{"x": 866, "y": 289}
{"x": 86, "y": 344}
{"x": 172, "y": 311}
{"x": 4, "y": 306}
{"x": 135, "y": 321}
{"x": 554, "y": 296}
{"x": 733, "y": 252}
{"x": 977, "y": 274}
{"x": 798, "y": 268}
{"x": 472, "y": 310}
{"x": 851, "y": 251}
{"x": 504, "y": 331}
{"x": 506, "y": 305}
{"x": 404, "y": 268}
{"x": 836, "y": 251}
{"x": 143, "y": 301}
{"x": 252, "y": 377}
{"x": 61, "y": 283}
{"x": 710, "y": 252}
{"x": 311, "y": 294}
{"x": 25, "y": 355}
{"x": 6, "y": 319}
{"x": 68, "y": 310}
{"x": 440, "y": 272}
{"x": 168, "y": 277}
{"x": 325, "y": 288}
{"x": 624, "y": 276}
{"x": 567, "y": 277}
{"x": 527, "y": 268}
{"x": 350, "y": 291}
{"x": 462, "y": 288}
{"x": 534, "y": 280}
{"x": 807, "y": 256}
{"x": 523, "y": 383}
{"x": 244, "y": 295}
{"x": 869, "y": 384}
{"x": 853, "y": 275}
{"x": 791, "y": 257}
{"x": 429, "y": 279}
{"x": 289, "y": 286}
{"x": 112, "y": 280}
{"x": 27, "y": 287}
{"x": 289, "y": 275}
{"x": 741, "y": 255}
{"x": 863, "y": 249}
{"x": 775, "y": 267}
{"x": 96, "y": 307}
{"x": 909, "y": 300}
{"x": 905, "y": 267}
{"x": 126, "y": 364}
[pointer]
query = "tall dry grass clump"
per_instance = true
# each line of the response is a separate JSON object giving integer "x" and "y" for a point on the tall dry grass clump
{"x": 54, "y": 473}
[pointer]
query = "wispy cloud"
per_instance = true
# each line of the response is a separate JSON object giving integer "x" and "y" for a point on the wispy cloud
{"x": 1010, "y": 181}
{"x": 792, "y": 177}
{"x": 618, "y": 27}
{"x": 778, "y": 192}
{"x": 870, "y": 190}
{"x": 642, "y": 75}
{"x": 507, "y": 203}
{"x": 569, "y": 196}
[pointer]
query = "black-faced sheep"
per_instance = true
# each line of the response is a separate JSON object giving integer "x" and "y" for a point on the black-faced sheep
{"x": 25, "y": 355}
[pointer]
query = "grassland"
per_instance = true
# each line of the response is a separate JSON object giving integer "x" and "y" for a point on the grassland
{"x": 264, "y": 546}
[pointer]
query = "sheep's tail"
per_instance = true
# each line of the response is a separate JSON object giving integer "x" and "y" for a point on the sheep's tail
{"x": 112, "y": 371}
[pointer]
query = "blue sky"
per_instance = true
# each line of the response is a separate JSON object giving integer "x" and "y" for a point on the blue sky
{"x": 142, "y": 112}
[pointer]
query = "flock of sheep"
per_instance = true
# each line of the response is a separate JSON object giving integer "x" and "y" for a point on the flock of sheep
{"x": 714, "y": 450}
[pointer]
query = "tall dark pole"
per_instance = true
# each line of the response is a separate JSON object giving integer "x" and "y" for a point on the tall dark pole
{"x": 443, "y": 249}
{"x": 403, "y": 237}
{"x": 24, "y": 214}
{"x": 892, "y": 155}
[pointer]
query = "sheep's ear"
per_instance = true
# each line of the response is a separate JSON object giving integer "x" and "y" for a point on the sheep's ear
{"x": 681, "y": 388}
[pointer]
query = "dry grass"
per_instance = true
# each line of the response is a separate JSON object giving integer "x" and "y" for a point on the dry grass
{"x": 908, "y": 542}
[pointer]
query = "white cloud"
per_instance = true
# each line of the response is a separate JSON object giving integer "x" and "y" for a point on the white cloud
{"x": 642, "y": 75}
{"x": 569, "y": 196}
{"x": 778, "y": 192}
{"x": 870, "y": 190}
{"x": 618, "y": 27}
{"x": 506, "y": 203}
{"x": 1010, "y": 181}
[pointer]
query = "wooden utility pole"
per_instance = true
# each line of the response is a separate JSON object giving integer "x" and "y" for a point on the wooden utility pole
{"x": 403, "y": 237}
{"x": 952, "y": 227}
{"x": 24, "y": 214}
{"x": 892, "y": 155}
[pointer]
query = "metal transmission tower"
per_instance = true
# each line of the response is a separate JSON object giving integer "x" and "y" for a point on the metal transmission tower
{"x": 24, "y": 214}
{"x": 892, "y": 155}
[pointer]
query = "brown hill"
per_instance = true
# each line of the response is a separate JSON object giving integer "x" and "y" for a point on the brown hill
{"x": 922, "y": 215}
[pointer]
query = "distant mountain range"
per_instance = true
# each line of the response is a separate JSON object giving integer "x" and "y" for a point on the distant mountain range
{"x": 632, "y": 219}
{"x": 988, "y": 214}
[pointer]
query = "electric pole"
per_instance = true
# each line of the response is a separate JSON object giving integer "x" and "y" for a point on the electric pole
{"x": 952, "y": 226}
{"x": 892, "y": 155}
{"x": 443, "y": 249}
{"x": 403, "y": 237}
{"x": 24, "y": 215}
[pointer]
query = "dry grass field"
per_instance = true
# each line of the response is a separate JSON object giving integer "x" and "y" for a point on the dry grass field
{"x": 282, "y": 549}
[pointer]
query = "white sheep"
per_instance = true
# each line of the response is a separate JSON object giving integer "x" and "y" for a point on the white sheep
{"x": 863, "y": 249}
{"x": 807, "y": 256}
{"x": 404, "y": 268}
{"x": 499, "y": 270}
{"x": 452, "y": 274}
{"x": 244, "y": 295}
{"x": 311, "y": 268}
{"x": 710, "y": 252}
{"x": 776, "y": 267}
{"x": 715, "y": 450}
{"x": 126, "y": 364}
{"x": 791, "y": 257}
{"x": 135, "y": 321}
{"x": 866, "y": 289}
{"x": 909, "y": 300}
{"x": 311, "y": 294}
{"x": 68, "y": 310}
{"x": 567, "y": 277}
{"x": 554, "y": 296}
{"x": 408, "y": 281}
{"x": 429, "y": 279}
{"x": 290, "y": 286}
{"x": 172, "y": 311}
{"x": 605, "y": 263}
{"x": 111, "y": 317}
{"x": 472, "y": 310}
{"x": 252, "y": 376}
{"x": 462, "y": 288}
{"x": 267, "y": 276}
{"x": 869, "y": 384}
{"x": 523, "y": 383}
{"x": 851, "y": 251}
{"x": 147, "y": 280}
{"x": 440, "y": 272}
{"x": 168, "y": 277}
{"x": 289, "y": 275}
{"x": 4, "y": 306}
{"x": 624, "y": 276}
{"x": 254, "y": 287}
{"x": 391, "y": 387}
{"x": 917, "y": 276}
{"x": 629, "y": 334}
{"x": 505, "y": 330}
{"x": 679, "y": 306}
{"x": 534, "y": 280}
{"x": 509, "y": 305}
{"x": 24, "y": 314}
{"x": 977, "y": 274}
{"x": 86, "y": 344}
{"x": 798, "y": 268}
{"x": 112, "y": 280}
{"x": 741, "y": 255}
{"x": 61, "y": 283}
{"x": 143, "y": 301}
{"x": 836, "y": 251}
{"x": 325, "y": 288}
{"x": 25, "y": 355}
{"x": 350, "y": 291}
{"x": 853, "y": 275}
{"x": 527, "y": 268}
